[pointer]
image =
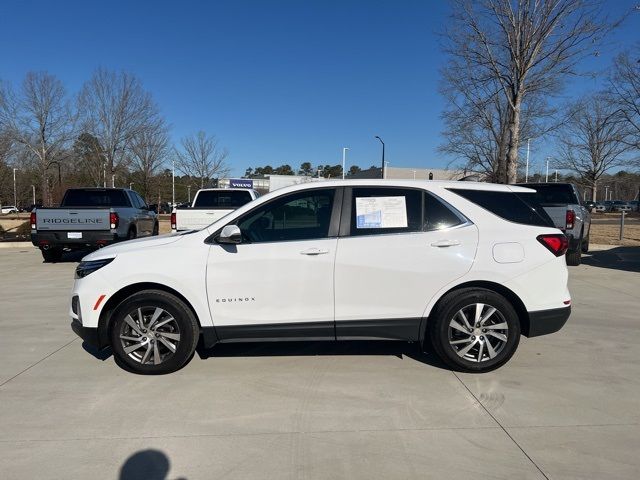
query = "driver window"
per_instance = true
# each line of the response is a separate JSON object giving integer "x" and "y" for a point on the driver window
{"x": 301, "y": 216}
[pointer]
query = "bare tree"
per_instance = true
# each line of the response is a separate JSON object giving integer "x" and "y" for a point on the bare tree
{"x": 624, "y": 88}
{"x": 201, "y": 157}
{"x": 593, "y": 140}
{"x": 115, "y": 109}
{"x": 519, "y": 48}
{"x": 149, "y": 150}
{"x": 39, "y": 119}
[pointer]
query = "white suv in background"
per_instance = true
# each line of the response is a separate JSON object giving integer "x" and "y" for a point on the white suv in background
{"x": 467, "y": 267}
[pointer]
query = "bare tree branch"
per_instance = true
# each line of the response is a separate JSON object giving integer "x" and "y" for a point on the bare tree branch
{"x": 200, "y": 157}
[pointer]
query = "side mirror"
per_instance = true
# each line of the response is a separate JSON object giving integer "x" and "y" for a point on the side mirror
{"x": 230, "y": 234}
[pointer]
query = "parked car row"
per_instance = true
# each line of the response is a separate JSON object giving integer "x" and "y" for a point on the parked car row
{"x": 615, "y": 206}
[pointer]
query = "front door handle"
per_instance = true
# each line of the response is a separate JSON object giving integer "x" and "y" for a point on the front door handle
{"x": 314, "y": 251}
{"x": 446, "y": 243}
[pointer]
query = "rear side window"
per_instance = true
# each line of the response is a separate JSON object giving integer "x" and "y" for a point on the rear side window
{"x": 379, "y": 210}
{"x": 514, "y": 207}
{"x": 95, "y": 198}
{"x": 222, "y": 199}
{"x": 553, "y": 194}
{"x": 438, "y": 216}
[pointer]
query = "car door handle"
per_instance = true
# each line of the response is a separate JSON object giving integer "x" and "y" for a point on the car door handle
{"x": 445, "y": 243}
{"x": 314, "y": 251}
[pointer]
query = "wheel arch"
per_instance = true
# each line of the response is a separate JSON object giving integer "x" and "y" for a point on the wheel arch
{"x": 104, "y": 321}
{"x": 516, "y": 302}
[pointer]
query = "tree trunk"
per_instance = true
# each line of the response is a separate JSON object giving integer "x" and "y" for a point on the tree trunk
{"x": 44, "y": 187}
{"x": 511, "y": 170}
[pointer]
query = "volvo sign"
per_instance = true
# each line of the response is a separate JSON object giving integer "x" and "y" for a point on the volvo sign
{"x": 240, "y": 183}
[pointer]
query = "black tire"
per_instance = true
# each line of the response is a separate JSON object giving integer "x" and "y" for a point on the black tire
{"x": 448, "y": 308}
{"x": 131, "y": 234}
{"x": 156, "y": 229}
{"x": 585, "y": 245}
{"x": 574, "y": 258}
{"x": 52, "y": 255}
{"x": 186, "y": 327}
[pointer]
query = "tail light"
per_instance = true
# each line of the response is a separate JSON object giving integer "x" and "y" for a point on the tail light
{"x": 114, "y": 219}
{"x": 571, "y": 218}
{"x": 556, "y": 243}
{"x": 173, "y": 221}
{"x": 33, "y": 220}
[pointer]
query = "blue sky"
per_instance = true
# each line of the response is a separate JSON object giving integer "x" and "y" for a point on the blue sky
{"x": 277, "y": 81}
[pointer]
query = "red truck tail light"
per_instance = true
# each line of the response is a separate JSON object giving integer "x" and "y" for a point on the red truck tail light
{"x": 571, "y": 218}
{"x": 173, "y": 221}
{"x": 114, "y": 219}
{"x": 32, "y": 220}
{"x": 556, "y": 243}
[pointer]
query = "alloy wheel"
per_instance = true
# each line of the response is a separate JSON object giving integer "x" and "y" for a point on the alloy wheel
{"x": 149, "y": 335}
{"x": 478, "y": 332}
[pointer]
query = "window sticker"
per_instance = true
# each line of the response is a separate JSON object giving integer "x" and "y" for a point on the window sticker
{"x": 381, "y": 212}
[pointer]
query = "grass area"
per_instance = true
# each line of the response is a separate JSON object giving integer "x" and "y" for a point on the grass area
{"x": 610, "y": 235}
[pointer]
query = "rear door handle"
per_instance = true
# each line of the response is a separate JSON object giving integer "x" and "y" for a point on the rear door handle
{"x": 314, "y": 251}
{"x": 446, "y": 243}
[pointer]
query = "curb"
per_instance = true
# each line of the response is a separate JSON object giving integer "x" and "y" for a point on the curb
{"x": 16, "y": 245}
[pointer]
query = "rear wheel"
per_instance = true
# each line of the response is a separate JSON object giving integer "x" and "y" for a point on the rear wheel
{"x": 474, "y": 330}
{"x": 153, "y": 332}
{"x": 52, "y": 254}
{"x": 585, "y": 245}
{"x": 131, "y": 234}
{"x": 156, "y": 229}
{"x": 574, "y": 258}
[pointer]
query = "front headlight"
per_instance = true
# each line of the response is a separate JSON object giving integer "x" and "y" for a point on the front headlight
{"x": 85, "y": 268}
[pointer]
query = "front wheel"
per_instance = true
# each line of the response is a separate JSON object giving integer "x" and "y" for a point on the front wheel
{"x": 153, "y": 332}
{"x": 474, "y": 330}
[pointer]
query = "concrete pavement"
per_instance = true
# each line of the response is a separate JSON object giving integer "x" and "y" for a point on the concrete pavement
{"x": 564, "y": 407}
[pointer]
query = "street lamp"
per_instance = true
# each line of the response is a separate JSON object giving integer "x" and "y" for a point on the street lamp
{"x": 382, "y": 154}
{"x": 15, "y": 195}
{"x": 547, "y": 176}
{"x": 33, "y": 188}
{"x": 189, "y": 192}
{"x": 173, "y": 183}
{"x": 526, "y": 172}
{"x": 344, "y": 157}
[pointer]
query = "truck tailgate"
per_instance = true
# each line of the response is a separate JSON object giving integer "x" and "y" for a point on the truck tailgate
{"x": 196, "y": 219}
{"x": 72, "y": 219}
{"x": 558, "y": 214}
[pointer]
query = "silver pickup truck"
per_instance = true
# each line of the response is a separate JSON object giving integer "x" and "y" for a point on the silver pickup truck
{"x": 91, "y": 217}
{"x": 562, "y": 203}
{"x": 208, "y": 206}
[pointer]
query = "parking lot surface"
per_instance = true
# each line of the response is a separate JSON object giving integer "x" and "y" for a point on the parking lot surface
{"x": 566, "y": 406}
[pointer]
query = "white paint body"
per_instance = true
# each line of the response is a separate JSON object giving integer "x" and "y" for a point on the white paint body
{"x": 367, "y": 277}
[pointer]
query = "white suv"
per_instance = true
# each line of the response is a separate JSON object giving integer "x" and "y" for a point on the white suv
{"x": 465, "y": 267}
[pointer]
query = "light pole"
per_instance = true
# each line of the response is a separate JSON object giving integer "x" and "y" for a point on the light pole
{"x": 104, "y": 174}
{"x": 33, "y": 188}
{"x": 606, "y": 192}
{"x": 344, "y": 157}
{"x": 189, "y": 192}
{"x": 131, "y": 184}
{"x": 414, "y": 174}
{"x": 15, "y": 195}
{"x": 173, "y": 183}
{"x": 526, "y": 171}
{"x": 382, "y": 154}
{"x": 113, "y": 180}
{"x": 556, "y": 176}
{"x": 546, "y": 178}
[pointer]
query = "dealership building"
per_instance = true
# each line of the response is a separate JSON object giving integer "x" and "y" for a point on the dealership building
{"x": 269, "y": 183}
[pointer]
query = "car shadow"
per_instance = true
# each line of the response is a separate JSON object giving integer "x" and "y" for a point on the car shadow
{"x": 618, "y": 258}
{"x": 396, "y": 349}
{"x": 73, "y": 256}
{"x": 147, "y": 464}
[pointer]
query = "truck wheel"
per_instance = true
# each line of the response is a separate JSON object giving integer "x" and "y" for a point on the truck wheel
{"x": 52, "y": 255}
{"x": 156, "y": 229}
{"x": 474, "y": 330}
{"x": 574, "y": 258}
{"x": 153, "y": 332}
{"x": 585, "y": 245}
{"x": 131, "y": 234}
